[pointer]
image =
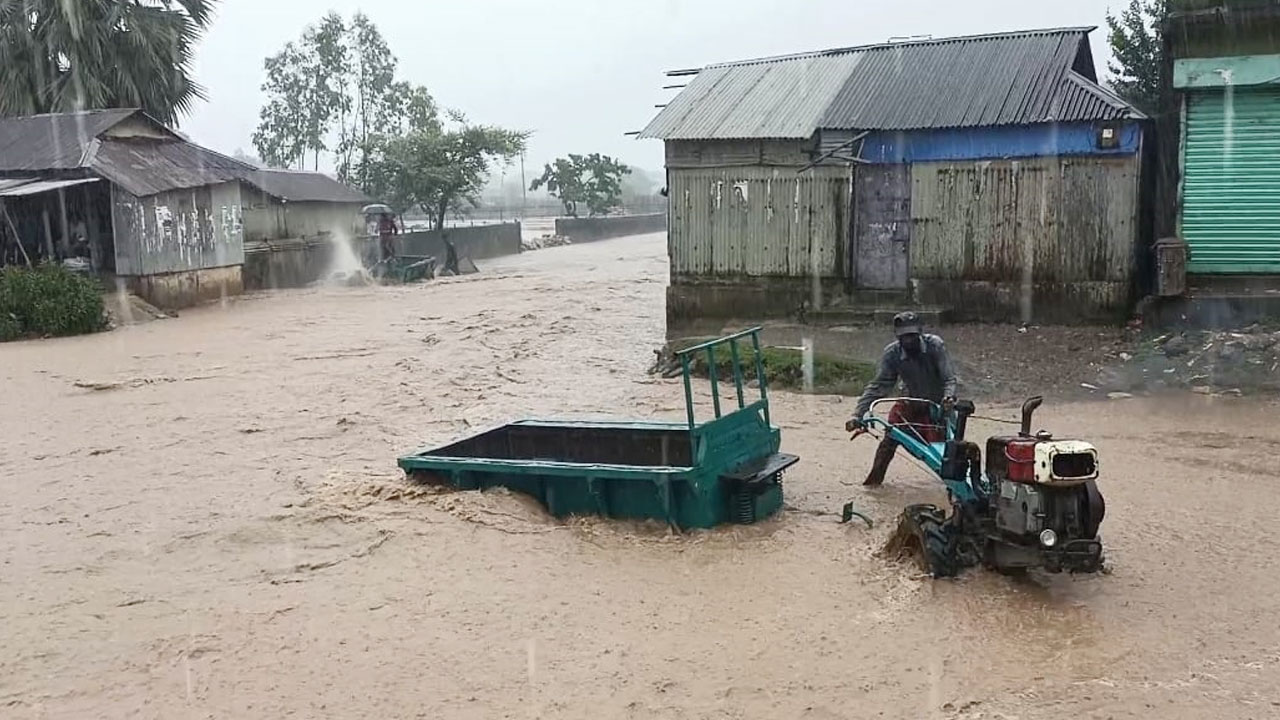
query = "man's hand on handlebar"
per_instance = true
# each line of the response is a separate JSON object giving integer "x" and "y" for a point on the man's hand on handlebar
{"x": 857, "y": 427}
{"x": 948, "y": 404}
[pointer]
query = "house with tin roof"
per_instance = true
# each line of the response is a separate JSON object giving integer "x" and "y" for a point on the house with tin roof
{"x": 142, "y": 202}
{"x": 989, "y": 177}
{"x": 169, "y": 218}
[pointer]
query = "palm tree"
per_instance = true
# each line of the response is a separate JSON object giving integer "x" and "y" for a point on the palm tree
{"x": 60, "y": 55}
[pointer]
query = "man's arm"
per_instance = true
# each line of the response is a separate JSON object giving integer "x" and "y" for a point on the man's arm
{"x": 946, "y": 370}
{"x": 882, "y": 385}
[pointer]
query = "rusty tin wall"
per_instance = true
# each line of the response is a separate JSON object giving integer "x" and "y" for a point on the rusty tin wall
{"x": 1058, "y": 225}
{"x": 179, "y": 230}
{"x": 754, "y": 221}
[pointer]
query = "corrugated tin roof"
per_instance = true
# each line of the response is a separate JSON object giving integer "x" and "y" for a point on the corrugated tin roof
{"x": 146, "y": 167}
{"x": 1082, "y": 99}
{"x": 6, "y": 183}
{"x": 297, "y": 186}
{"x": 53, "y": 142}
{"x": 1003, "y": 79}
{"x": 968, "y": 82}
{"x": 757, "y": 100}
{"x": 142, "y": 166}
{"x": 35, "y": 187}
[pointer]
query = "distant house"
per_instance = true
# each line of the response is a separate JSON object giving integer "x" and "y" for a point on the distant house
{"x": 1226, "y": 77}
{"x": 169, "y": 218}
{"x": 989, "y": 176}
{"x": 289, "y": 204}
{"x": 154, "y": 209}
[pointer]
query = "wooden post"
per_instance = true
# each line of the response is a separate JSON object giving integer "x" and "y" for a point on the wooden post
{"x": 16, "y": 238}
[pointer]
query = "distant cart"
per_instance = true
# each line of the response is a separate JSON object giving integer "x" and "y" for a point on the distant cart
{"x": 689, "y": 475}
{"x": 405, "y": 268}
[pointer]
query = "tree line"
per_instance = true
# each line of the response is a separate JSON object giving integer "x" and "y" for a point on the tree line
{"x": 334, "y": 93}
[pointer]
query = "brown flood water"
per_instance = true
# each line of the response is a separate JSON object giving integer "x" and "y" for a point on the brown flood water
{"x": 219, "y": 531}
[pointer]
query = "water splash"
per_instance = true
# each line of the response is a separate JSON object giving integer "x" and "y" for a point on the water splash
{"x": 345, "y": 267}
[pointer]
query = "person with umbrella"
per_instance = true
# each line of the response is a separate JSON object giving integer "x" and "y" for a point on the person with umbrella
{"x": 387, "y": 230}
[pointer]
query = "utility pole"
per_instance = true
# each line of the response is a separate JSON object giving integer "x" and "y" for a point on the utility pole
{"x": 524, "y": 189}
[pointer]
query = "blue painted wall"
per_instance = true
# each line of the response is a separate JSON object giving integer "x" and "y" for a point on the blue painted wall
{"x": 993, "y": 143}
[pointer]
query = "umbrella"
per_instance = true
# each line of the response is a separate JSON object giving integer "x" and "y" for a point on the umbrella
{"x": 378, "y": 209}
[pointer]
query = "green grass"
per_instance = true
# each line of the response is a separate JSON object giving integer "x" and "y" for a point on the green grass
{"x": 48, "y": 301}
{"x": 783, "y": 368}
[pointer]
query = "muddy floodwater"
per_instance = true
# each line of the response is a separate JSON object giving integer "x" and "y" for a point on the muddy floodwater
{"x": 202, "y": 518}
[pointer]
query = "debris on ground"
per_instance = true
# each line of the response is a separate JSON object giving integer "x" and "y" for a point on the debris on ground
{"x": 1206, "y": 362}
{"x": 544, "y": 241}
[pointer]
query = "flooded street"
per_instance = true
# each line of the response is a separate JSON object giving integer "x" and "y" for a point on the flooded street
{"x": 202, "y": 518}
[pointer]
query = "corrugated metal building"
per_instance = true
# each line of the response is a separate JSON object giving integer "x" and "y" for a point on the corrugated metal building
{"x": 1226, "y": 73}
{"x": 990, "y": 175}
{"x": 168, "y": 216}
{"x": 289, "y": 204}
{"x": 149, "y": 206}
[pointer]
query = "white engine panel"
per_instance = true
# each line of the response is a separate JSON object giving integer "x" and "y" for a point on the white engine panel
{"x": 1046, "y": 451}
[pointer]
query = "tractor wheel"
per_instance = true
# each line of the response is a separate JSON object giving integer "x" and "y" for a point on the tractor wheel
{"x": 922, "y": 535}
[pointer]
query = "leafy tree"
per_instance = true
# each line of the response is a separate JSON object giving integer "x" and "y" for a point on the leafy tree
{"x": 280, "y": 138}
{"x": 306, "y": 95}
{"x": 1136, "y": 39}
{"x": 67, "y": 55}
{"x": 372, "y": 96}
{"x": 335, "y": 89}
{"x": 437, "y": 166}
{"x": 593, "y": 180}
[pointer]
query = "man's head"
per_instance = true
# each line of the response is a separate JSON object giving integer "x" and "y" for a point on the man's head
{"x": 909, "y": 329}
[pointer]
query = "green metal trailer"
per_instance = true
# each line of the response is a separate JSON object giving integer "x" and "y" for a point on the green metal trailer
{"x": 727, "y": 469}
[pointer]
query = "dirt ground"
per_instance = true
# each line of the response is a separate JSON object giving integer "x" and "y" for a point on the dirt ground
{"x": 202, "y": 518}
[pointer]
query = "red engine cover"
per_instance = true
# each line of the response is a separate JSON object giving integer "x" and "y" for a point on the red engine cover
{"x": 1022, "y": 460}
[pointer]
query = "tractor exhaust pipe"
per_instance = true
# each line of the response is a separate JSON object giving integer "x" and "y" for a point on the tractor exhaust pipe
{"x": 1029, "y": 409}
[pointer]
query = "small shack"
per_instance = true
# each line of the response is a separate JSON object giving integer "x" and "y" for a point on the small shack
{"x": 143, "y": 203}
{"x": 300, "y": 227}
{"x": 292, "y": 204}
{"x": 988, "y": 176}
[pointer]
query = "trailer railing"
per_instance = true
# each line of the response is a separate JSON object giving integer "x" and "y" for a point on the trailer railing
{"x": 687, "y": 355}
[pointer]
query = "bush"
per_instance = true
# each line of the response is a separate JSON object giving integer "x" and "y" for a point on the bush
{"x": 48, "y": 300}
{"x": 783, "y": 368}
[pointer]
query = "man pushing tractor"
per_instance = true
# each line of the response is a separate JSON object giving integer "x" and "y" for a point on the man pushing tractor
{"x": 1034, "y": 503}
{"x": 921, "y": 362}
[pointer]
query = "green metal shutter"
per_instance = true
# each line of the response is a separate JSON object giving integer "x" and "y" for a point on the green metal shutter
{"x": 1231, "y": 181}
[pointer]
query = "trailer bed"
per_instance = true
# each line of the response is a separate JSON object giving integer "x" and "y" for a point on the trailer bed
{"x": 689, "y": 475}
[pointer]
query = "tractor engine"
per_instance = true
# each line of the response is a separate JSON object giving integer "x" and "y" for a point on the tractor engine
{"x": 1045, "y": 499}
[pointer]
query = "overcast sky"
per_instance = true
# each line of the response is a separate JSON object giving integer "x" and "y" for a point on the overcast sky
{"x": 580, "y": 73}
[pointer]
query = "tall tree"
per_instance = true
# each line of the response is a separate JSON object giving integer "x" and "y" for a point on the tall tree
{"x": 1137, "y": 41}
{"x": 593, "y": 180}
{"x": 306, "y": 87}
{"x": 281, "y": 136}
{"x": 372, "y": 85}
{"x": 329, "y": 102}
{"x": 63, "y": 55}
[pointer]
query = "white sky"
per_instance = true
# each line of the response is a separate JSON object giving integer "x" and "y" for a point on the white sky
{"x": 580, "y": 73}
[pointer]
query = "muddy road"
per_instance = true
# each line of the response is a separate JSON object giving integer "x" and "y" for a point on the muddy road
{"x": 202, "y": 518}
